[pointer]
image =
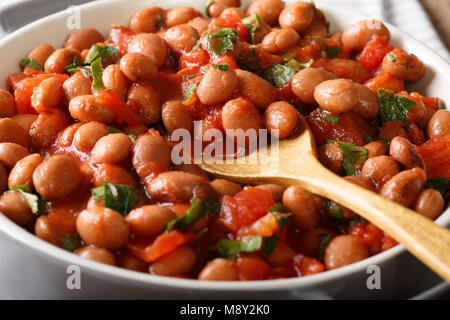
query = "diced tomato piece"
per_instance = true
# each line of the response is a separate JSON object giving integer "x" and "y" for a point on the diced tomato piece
{"x": 15, "y": 78}
{"x": 385, "y": 81}
{"x": 350, "y": 128}
{"x": 436, "y": 154}
{"x": 232, "y": 20}
{"x": 432, "y": 103}
{"x": 119, "y": 38}
{"x": 415, "y": 135}
{"x": 123, "y": 113}
{"x": 244, "y": 207}
{"x": 164, "y": 244}
{"x": 31, "y": 71}
{"x": 305, "y": 266}
{"x": 387, "y": 242}
{"x": 374, "y": 52}
{"x": 264, "y": 227}
{"x": 370, "y": 235}
{"x": 227, "y": 59}
{"x": 285, "y": 92}
{"x": 194, "y": 59}
{"x": 24, "y": 91}
{"x": 252, "y": 269}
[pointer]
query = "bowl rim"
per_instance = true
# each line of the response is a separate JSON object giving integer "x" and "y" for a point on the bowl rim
{"x": 30, "y": 240}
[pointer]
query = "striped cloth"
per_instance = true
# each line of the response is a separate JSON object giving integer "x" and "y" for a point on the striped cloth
{"x": 407, "y": 15}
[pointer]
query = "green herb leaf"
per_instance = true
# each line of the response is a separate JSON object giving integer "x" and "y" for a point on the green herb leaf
{"x": 332, "y": 120}
{"x": 35, "y": 202}
{"x": 208, "y": 5}
{"x": 352, "y": 156}
{"x": 231, "y": 248}
{"x": 441, "y": 105}
{"x": 190, "y": 90}
{"x": 252, "y": 24}
{"x": 333, "y": 209}
{"x": 25, "y": 62}
{"x": 23, "y": 187}
{"x": 78, "y": 66}
{"x": 331, "y": 52}
{"x": 279, "y": 74}
{"x": 299, "y": 65}
{"x": 199, "y": 208}
{"x": 132, "y": 137}
{"x": 366, "y": 138}
{"x": 323, "y": 245}
{"x": 97, "y": 71}
{"x": 440, "y": 184}
{"x": 393, "y": 107}
{"x": 120, "y": 198}
{"x": 71, "y": 242}
{"x": 221, "y": 41}
{"x": 270, "y": 244}
{"x": 105, "y": 53}
{"x": 221, "y": 67}
{"x": 184, "y": 222}
{"x": 278, "y": 207}
{"x": 158, "y": 23}
{"x": 391, "y": 58}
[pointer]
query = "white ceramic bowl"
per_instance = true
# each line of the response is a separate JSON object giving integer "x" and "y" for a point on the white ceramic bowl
{"x": 38, "y": 269}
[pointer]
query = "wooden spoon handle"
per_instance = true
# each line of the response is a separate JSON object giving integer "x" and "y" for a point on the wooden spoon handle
{"x": 426, "y": 240}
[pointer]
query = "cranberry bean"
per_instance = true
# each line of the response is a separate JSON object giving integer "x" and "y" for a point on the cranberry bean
{"x": 102, "y": 227}
{"x": 345, "y": 250}
{"x": 57, "y": 177}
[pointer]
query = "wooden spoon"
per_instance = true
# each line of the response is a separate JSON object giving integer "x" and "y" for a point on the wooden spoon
{"x": 297, "y": 163}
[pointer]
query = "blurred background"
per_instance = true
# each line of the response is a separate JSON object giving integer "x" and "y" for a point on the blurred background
{"x": 439, "y": 13}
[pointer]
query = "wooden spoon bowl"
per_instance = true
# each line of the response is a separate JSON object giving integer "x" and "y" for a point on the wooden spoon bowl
{"x": 294, "y": 162}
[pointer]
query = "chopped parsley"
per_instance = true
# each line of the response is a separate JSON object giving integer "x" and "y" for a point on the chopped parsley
{"x": 158, "y": 23}
{"x": 353, "y": 156}
{"x": 25, "y": 62}
{"x": 270, "y": 243}
{"x": 331, "y": 52}
{"x": 441, "y": 105}
{"x": 440, "y": 184}
{"x": 332, "y": 120}
{"x": 107, "y": 54}
{"x": 120, "y": 198}
{"x": 132, "y": 137}
{"x": 333, "y": 209}
{"x": 78, "y": 66}
{"x": 300, "y": 65}
{"x": 252, "y": 24}
{"x": 71, "y": 242}
{"x": 97, "y": 72}
{"x": 393, "y": 107}
{"x": 391, "y": 58}
{"x": 35, "y": 202}
{"x": 190, "y": 90}
{"x": 366, "y": 138}
{"x": 278, "y": 207}
{"x": 221, "y": 67}
{"x": 221, "y": 42}
{"x": 229, "y": 249}
{"x": 204, "y": 202}
{"x": 279, "y": 74}
{"x": 326, "y": 239}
